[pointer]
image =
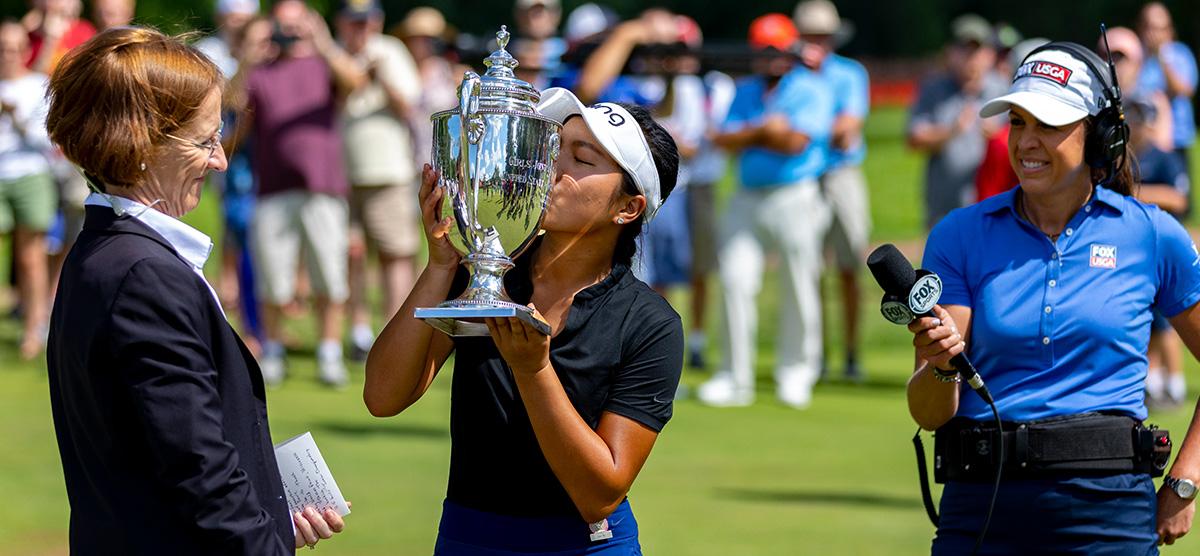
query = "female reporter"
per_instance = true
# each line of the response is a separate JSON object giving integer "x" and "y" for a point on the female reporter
{"x": 550, "y": 432}
{"x": 158, "y": 406}
{"x": 1048, "y": 289}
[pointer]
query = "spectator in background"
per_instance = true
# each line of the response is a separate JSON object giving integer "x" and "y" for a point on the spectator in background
{"x": 54, "y": 29}
{"x": 292, "y": 102}
{"x": 1163, "y": 182}
{"x": 27, "y": 194}
{"x": 844, "y": 184}
{"x": 944, "y": 122}
{"x": 1169, "y": 67}
{"x": 423, "y": 31}
{"x": 778, "y": 127}
{"x": 110, "y": 14}
{"x": 1129, "y": 58}
{"x": 537, "y": 44}
{"x": 221, "y": 47}
{"x": 380, "y": 162}
{"x": 251, "y": 45}
{"x": 586, "y": 27}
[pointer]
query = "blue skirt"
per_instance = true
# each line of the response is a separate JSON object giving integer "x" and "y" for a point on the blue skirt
{"x": 467, "y": 532}
{"x": 1094, "y": 516}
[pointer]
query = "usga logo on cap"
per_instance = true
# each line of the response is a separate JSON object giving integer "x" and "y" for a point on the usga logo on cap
{"x": 1045, "y": 70}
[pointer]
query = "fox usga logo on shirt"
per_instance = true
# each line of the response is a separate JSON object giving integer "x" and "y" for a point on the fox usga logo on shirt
{"x": 1104, "y": 256}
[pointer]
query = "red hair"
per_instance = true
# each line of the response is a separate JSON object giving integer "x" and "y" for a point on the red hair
{"x": 114, "y": 99}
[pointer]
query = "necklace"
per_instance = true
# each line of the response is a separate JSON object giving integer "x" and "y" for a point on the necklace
{"x": 1024, "y": 214}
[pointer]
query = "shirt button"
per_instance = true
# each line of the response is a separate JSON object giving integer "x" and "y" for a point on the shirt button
{"x": 1070, "y": 231}
{"x": 1054, "y": 256}
{"x": 1047, "y": 309}
{"x": 1046, "y": 340}
{"x": 1087, "y": 208}
{"x": 1053, "y": 283}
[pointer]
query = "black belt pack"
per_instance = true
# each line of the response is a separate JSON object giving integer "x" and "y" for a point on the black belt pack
{"x": 1094, "y": 443}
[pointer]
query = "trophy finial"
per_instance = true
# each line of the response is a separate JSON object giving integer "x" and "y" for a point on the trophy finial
{"x": 503, "y": 37}
{"x": 501, "y": 63}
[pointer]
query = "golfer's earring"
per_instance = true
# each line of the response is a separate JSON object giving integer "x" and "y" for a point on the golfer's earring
{"x": 143, "y": 166}
{"x": 620, "y": 221}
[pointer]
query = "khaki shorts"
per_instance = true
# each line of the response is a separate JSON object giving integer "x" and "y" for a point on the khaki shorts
{"x": 29, "y": 202}
{"x": 286, "y": 222}
{"x": 845, "y": 189}
{"x": 387, "y": 216}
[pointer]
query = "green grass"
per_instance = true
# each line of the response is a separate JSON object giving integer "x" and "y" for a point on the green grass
{"x": 838, "y": 478}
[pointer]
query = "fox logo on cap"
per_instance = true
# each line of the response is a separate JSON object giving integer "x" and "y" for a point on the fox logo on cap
{"x": 1045, "y": 70}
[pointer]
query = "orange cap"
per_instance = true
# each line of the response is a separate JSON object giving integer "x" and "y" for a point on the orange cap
{"x": 773, "y": 30}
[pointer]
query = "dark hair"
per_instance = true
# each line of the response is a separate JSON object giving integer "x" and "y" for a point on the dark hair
{"x": 114, "y": 99}
{"x": 666, "y": 161}
{"x": 1122, "y": 179}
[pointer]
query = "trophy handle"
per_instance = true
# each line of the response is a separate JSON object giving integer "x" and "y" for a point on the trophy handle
{"x": 471, "y": 133}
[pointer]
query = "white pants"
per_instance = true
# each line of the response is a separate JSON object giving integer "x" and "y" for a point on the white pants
{"x": 788, "y": 221}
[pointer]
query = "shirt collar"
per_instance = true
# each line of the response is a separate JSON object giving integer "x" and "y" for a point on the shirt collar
{"x": 191, "y": 244}
{"x": 1008, "y": 200}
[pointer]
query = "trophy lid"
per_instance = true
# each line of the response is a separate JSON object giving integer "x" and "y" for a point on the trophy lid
{"x": 499, "y": 87}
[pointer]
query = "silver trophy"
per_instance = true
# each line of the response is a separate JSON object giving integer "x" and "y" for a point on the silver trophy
{"x": 496, "y": 158}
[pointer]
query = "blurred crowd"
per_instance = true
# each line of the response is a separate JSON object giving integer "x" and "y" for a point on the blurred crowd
{"x": 327, "y": 127}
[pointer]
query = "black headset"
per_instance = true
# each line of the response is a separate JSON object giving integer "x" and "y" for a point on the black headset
{"x": 1107, "y": 142}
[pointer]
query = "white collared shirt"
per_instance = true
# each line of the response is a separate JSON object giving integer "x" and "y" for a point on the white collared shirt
{"x": 190, "y": 243}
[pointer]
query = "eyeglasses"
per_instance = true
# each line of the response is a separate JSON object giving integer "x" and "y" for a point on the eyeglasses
{"x": 210, "y": 145}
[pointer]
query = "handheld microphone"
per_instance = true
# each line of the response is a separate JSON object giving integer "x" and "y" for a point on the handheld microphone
{"x": 911, "y": 294}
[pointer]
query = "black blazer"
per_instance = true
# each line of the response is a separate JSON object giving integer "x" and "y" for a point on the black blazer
{"x": 158, "y": 407}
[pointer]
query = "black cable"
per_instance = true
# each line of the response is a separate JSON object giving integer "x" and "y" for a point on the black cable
{"x": 996, "y": 487}
{"x": 926, "y": 497}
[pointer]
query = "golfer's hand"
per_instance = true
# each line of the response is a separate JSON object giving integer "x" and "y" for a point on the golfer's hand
{"x": 437, "y": 228}
{"x": 521, "y": 345}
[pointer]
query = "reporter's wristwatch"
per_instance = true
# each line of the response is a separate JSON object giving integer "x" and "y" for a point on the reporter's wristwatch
{"x": 1185, "y": 488}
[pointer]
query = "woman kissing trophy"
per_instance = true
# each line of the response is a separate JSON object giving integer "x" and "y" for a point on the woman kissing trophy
{"x": 495, "y": 155}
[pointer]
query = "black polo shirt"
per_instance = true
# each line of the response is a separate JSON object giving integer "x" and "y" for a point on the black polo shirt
{"x": 621, "y": 350}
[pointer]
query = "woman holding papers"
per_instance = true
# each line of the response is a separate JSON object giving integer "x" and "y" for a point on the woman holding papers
{"x": 158, "y": 406}
{"x": 551, "y": 431}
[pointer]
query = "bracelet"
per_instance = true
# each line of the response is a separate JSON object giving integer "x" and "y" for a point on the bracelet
{"x": 946, "y": 376}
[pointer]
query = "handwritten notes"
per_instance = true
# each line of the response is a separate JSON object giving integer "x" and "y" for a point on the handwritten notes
{"x": 306, "y": 478}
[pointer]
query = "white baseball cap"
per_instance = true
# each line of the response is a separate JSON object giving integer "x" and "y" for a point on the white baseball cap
{"x": 620, "y": 135}
{"x": 1055, "y": 87}
{"x": 237, "y": 6}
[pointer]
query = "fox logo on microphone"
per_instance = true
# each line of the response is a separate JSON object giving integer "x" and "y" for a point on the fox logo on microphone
{"x": 925, "y": 293}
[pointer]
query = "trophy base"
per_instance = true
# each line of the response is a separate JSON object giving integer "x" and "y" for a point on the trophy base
{"x": 468, "y": 321}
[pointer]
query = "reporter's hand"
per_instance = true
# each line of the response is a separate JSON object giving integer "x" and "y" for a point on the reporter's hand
{"x": 312, "y": 526}
{"x": 523, "y": 347}
{"x": 937, "y": 339}
{"x": 437, "y": 228}
{"x": 1174, "y": 516}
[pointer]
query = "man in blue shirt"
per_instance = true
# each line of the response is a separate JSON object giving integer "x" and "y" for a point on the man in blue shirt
{"x": 844, "y": 184}
{"x": 778, "y": 127}
{"x": 1170, "y": 67}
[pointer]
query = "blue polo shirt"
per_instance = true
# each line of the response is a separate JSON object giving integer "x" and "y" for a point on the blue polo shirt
{"x": 807, "y": 102}
{"x": 852, "y": 97}
{"x": 1062, "y": 328}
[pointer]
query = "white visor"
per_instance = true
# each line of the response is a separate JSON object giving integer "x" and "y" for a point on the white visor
{"x": 1055, "y": 87}
{"x": 618, "y": 133}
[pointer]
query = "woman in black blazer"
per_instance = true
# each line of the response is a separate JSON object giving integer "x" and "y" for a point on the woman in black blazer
{"x": 158, "y": 406}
